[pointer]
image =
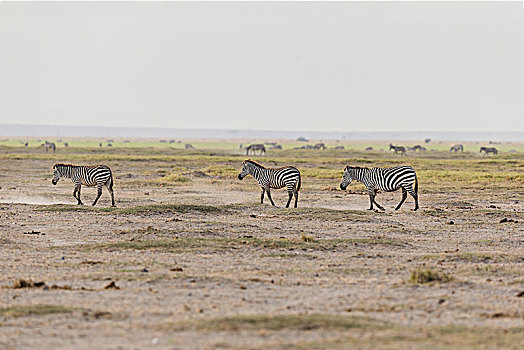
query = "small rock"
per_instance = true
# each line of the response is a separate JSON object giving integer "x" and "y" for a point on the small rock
{"x": 155, "y": 341}
{"x": 111, "y": 285}
{"x": 253, "y": 215}
{"x": 441, "y": 301}
{"x": 145, "y": 270}
{"x": 176, "y": 269}
{"x": 520, "y": 295}
{"x": 451, "y": 222}
{"x": 503, "y": 220}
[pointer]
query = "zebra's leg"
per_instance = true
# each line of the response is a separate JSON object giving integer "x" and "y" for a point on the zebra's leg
{"x": 374, "y": 201}
{"x": 99, "y": 188}
{"x": 262, "y": 195}
{"x": 109, "y": 186}
{"x": 77, "y": 190}
{"x": 371, "y": 199}
{"x": 296, "y": 198}
{"x": 290, "y": 193}
{"x": 269, "y": 196}
{"x": 404, "y": 196}
{"x": 415, "y": 197}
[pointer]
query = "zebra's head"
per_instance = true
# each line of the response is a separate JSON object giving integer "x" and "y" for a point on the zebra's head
{"x": 247, "y": 168}
{"x": 346, "y": 178}
{"x": 56, "y": 174}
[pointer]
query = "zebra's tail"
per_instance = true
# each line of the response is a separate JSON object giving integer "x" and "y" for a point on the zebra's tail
{"x": 299, "y": 182}
{"x": 111, "y": 182}
{"x": 416, "y": 184}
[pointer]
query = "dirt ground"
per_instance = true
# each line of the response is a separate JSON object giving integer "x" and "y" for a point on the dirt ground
{"x": 198, "y": 262}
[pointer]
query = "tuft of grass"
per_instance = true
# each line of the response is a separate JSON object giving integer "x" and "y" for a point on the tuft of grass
{"x": 428, "y": 276}
{"x": 33, "y": 310}
{"x": 175, "y": 178}
{"x": 281, "y": 322}
{"x": 306, "y": 238}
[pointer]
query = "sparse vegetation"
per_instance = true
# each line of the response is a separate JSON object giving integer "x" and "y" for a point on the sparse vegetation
{"x": 190, "y": 249}
{"x": 428, "y": 276}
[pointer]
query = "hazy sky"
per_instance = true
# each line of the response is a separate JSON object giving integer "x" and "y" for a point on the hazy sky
{"x": 286, "y": 66}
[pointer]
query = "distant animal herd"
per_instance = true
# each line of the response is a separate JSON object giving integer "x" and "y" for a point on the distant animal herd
{"x": 261, "y": 149}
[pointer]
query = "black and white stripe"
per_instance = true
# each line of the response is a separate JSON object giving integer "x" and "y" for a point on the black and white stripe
{"x": 383, "y": 179}
{"x": 96, "y": 175}
{"x": 268, "y": 178}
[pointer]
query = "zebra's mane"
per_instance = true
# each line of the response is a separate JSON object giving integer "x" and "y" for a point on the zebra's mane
{"x": 355, "y": 167}
{"x": 63, "y": 164}
{"x": 254, "y": 163}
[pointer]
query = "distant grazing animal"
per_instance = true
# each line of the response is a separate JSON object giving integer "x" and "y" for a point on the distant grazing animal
{"x": 457, "y": 148}
{"x": 397, "y": 149}
{"x": 109, "y": 145}
{"x": 419, "y": 148}
{"x": 256, "y": 147}
{"x": 189, "y": 146}
{"x": 268, "y": 178}
{"x": 339, "y": 147}
{"x": 369, "y": 149}
{"x": 487, "y": 150}
{"x": 383, "y": 179}
{"x": 49, "y": 145}
{"x": 319, "y": 146}
{"x": 100, "y": 145}
{"x": 302, "y": 139}
{"x": 66, "y": 144}
{"x": 96, "y": 175}
{"x": 26, "y": 144}
{"x": 427, "y": 140}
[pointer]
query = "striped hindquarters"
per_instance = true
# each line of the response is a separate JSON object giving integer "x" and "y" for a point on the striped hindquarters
{"x": 93, "y": 175}
{"x": 282, "y": 177}
{"x": 391, "y": 179}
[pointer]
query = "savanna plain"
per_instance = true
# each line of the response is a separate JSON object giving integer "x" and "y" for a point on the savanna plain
{"x": 190, "y": 259}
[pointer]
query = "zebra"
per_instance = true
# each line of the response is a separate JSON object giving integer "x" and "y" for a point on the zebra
{"x": 397, "y": 149}
{"x": 49, "y": 145}
{"x": 488, "y": 150}
{"x": 256, "y": 147}
{"x": 456, "y": 148}
{"x": 383, "y": 179}
{"x": 268, "y": 178}
{"x": 419, "y": 148}
{"x": 95, "y": 175}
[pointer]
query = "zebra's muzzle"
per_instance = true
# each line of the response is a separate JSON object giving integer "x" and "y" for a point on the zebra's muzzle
{"x": 54, "y": 182}
{"x": 240, "y": 177}
{"x": 342, "y": 187}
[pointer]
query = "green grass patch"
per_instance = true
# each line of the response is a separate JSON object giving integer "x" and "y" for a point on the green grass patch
{"x": 428, "y": 276}
{"x": 180, "y": 244}
{"x": 138, "y": 210}
{"x": 280, "y": 322}
{"x": 33, "y": 310}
